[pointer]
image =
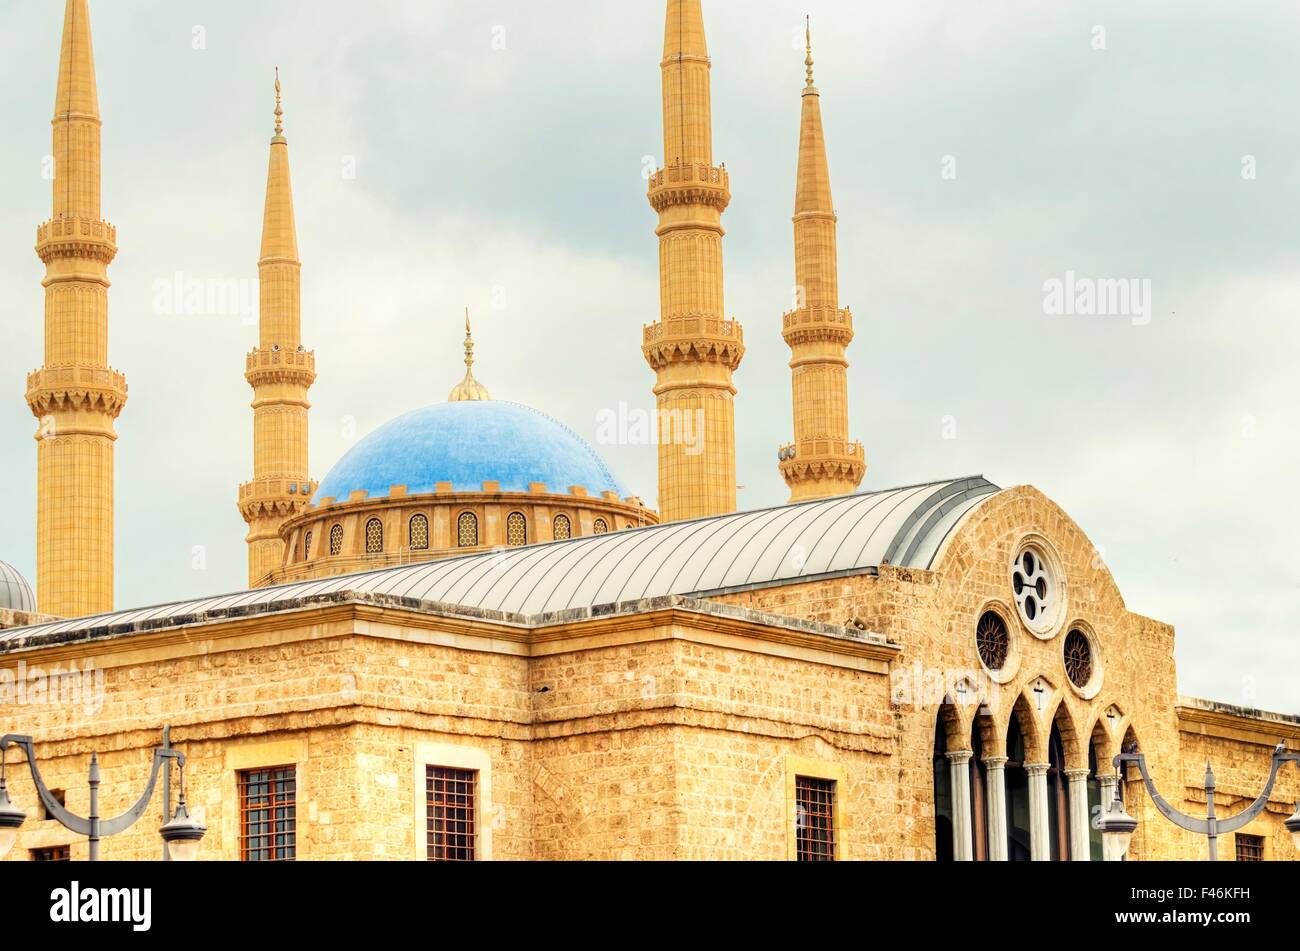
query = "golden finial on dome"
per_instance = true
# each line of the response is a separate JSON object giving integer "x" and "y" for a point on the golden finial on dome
{"x": 279, "y": 112}
{"x": 809, "y": 61}
{"x": 469, "y": 389}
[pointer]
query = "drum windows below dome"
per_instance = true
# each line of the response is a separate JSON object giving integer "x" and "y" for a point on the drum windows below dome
{"x": 516, "y": 530}
{"x": 374, "y": 537}
{"x": 467, "y": 530}
{"x": 418, "y": 533}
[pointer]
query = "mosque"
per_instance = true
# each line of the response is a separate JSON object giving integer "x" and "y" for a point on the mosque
{"x": 468, "y": 641}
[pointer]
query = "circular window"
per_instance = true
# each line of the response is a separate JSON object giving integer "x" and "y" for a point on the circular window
{"x": 1038, "y": 587}
{"x": 993, "y": 641}
{"x": 1078, "y": 659}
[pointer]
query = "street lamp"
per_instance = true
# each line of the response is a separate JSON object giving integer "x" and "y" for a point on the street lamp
{"x": 181, "y": 833}
{"x": 1118, "y": 826}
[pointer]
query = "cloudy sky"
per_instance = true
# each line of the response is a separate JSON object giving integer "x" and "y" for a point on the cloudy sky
{"x": 490, "y": 154}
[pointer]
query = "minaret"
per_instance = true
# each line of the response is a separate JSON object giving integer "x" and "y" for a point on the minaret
{"x": 76, "y": 396}
{"x": 692, "y": 348}
{"x": 821, "y": 462}
{"x": 280, "y": 372}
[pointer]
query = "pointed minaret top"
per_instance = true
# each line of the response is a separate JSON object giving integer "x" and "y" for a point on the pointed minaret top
{"x": 77, "y": 94}
{"x": 813, "y": 193}
{"x": 684, "y": 30}
{"x": 279, "y": 229}
{"x": 469, "y": 390}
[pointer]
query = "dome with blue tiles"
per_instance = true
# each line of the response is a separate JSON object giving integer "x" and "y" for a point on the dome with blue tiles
{"x": 467, "y": 443}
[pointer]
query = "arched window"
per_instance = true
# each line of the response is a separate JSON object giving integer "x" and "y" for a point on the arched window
{"x": 516, "y": 530}
{"x": 419, "y": 533}
{"x": 336, "y": 540}
{"x": 306, "y": 548}
{"x": 563, "y": 527}
{"x": 601, "y": 527}
{"x": 943, "y": 804}
{"x": 1058, "y": 799}
{"x": 467, "y": 530}
{"x": 374, "y": 537}
{"x": 1017, "y": 794}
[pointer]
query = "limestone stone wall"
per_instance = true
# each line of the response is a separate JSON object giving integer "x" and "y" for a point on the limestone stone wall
{"x": 618, "y": 738}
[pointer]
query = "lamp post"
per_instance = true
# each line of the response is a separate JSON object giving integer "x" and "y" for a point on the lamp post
{"x": 181, "y": 834}
{"x": 1117, "y": 826}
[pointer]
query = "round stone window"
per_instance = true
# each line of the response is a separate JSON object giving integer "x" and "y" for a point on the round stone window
{"x": 1039, "y": 588}
{"x": 993, "y": 640}
{"x": 1078, "y": 659}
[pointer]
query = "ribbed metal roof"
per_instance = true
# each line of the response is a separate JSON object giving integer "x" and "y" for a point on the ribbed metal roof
{"x": 847, "y": 535}
{"x": 15, "y": 592}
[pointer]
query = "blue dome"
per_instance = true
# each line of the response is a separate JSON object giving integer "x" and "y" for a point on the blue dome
{"x": 467, "y": 444}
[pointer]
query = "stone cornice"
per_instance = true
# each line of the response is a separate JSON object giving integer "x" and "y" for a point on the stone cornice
{"x": 1225, "y": 721}
{"x": 348, "y": 614}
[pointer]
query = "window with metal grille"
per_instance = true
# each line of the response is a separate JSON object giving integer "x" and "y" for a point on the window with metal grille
{"x": 1250, "y": 848}
{"x": 451, "y": 810}
{"x": 467, "y": 530}
{"x": 992, "y": 640}
{"x": 1078, "y": 658}
{"x": 306, "y": 548}
{"x": 61, "y": 853}
{"x": 336, "y": 539}
{"x": 268, "y": 814}
{"x": 563, "y": 527}
{"x": 600, "y": 527}
{"x": 516, "y": 530}
{"x": 814, "y": 819}
{"x": 374, "y": 537}
{"x": 419, "y": 533}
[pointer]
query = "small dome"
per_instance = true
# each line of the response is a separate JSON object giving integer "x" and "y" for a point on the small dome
{"x": 15, "y": 592}
{"x": 466, "y": 444}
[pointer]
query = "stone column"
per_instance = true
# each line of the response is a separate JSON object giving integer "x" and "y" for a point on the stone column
{"x": 1080, "y": 820}
{"x": 995, "y": 786}
{"x": 963, "y": 845}
{"x": 1040, "y": 846}
{"x": 1107, "y": 782}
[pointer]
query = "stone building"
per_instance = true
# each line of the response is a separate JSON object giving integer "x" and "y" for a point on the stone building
{"x": 938, "y": 671}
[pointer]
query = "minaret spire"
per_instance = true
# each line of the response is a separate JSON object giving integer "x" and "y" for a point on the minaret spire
{"x": 693, "y": 348}
{"x": 469, "y": 389}
{"x": 821, "y": 462}
{"x": 280, "y": 371}
{"x": 279, "y": 111}
{"x": 76, "y": 396}
{"x": 808, "y": 62}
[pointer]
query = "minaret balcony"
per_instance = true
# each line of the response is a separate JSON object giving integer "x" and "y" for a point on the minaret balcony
{"x": 276, "y": 366}
{"x": 694, "y": 337}
{"x": 822, "y": 458}
{"x": 690, "y": 184}
{"x": 274, "y": 498}
{"x": 76, "y": 238}
{"x": 76, "y": 388}
{"x": 817, "y": 325}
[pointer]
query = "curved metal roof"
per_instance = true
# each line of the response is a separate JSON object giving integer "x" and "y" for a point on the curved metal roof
{"x": 15, "y": 592}
{"x": 846, "y": 535}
